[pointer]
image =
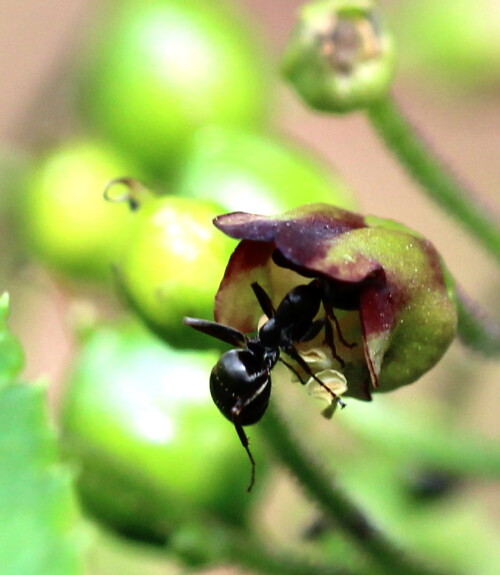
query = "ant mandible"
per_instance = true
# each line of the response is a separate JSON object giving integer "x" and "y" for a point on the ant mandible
{"x": 240, "y": 382}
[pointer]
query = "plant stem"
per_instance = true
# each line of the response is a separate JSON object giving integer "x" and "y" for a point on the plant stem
{"x": 475, "y": 329}
{"x": 335, "y": 502}
{"x": 210, "y": 543}
{"x": 425, "y": 168}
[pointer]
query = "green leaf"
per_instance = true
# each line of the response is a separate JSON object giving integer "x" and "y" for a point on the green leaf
{"x": 39, "y": 530}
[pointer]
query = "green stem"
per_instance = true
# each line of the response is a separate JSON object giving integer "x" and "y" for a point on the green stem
{"x": 475, "y": 329}
{"x": 425, "y": 168}
{"x": 210, "y": 544}
{"x": 322, "y": 488}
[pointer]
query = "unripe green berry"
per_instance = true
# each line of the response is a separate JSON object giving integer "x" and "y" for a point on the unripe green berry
{"x": 173, "y": 264}
{"x": 65, "y": 221}
{"x": 249, "y": 171}
{"x": 155, "y": 71}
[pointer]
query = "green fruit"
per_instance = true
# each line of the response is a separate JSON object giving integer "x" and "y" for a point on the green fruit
{"x": 67, "y": 223}
{"x": 158, "y": 70}
{"x": 247, "y": 171}
{"x": 150, "y": 446}
{"x": 173, "y": 264}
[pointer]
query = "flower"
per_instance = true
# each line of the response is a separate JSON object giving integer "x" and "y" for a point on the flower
{"x": 393, "y": 300}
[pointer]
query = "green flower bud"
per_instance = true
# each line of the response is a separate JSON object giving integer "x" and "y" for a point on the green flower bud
{"x": 340, "y": 57}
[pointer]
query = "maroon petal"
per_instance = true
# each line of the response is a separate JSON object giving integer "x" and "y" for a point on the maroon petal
{"x": 314, "y": 221}
{"x": 377, "y": 318}
{"x": 235, "y": 302}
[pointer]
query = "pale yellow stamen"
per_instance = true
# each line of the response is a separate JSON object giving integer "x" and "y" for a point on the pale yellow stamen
{"x": 319, "y": 360}
{"x": 334, "y": 382}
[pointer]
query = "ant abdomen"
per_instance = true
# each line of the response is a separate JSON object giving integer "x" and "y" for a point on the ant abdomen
{"x": 240, "y": 386}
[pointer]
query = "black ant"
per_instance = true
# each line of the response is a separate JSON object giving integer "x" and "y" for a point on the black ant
{"x": 240, "y": 382}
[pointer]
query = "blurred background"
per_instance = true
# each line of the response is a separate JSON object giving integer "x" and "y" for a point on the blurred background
{"x": 458, "y": 114}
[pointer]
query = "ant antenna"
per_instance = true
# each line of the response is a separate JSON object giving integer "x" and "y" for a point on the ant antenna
{"x": 244, "y": 441}
{"x": 264, "y": 300}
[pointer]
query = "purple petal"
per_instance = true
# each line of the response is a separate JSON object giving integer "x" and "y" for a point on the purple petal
{"x": 235, "y": 303}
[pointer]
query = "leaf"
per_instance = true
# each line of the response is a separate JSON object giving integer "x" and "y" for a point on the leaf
{"x": 39, "y": 529}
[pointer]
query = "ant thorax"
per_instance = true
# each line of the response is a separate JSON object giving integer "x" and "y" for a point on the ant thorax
{"x": 271, "y": 334}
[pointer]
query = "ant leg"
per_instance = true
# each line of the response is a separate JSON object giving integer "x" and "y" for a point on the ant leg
{"x": 314, "y": 329}
{"x": 293, "y": 370}
{"x": 246, "y": 445}
{"x": 329, "y": 340}
{"x": 218, "y": 330}
{"x": 264, "y": 300}
{"x": 330, "y": 314}
{"x": 294, "y": 354}
{"x": 235, "y": 418}
{"x": 335, "y": 320}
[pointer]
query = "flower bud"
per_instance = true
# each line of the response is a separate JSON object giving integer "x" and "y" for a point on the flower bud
{"x": 340, "y": 57}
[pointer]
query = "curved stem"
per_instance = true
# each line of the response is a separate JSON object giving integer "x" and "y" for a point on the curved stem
{"x": 425, "y": 168}
{"x": 334, "y": 502}
{"x": 211, "y": 543}
{"x": 475, "y": 329}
